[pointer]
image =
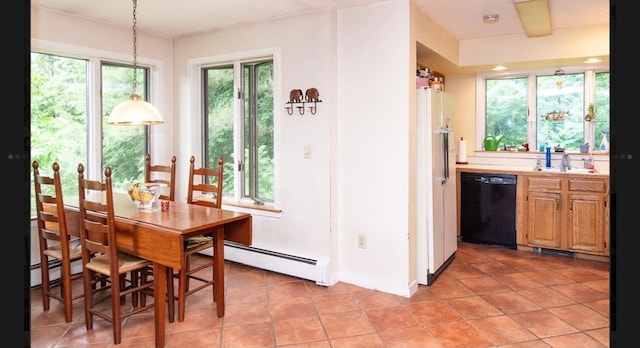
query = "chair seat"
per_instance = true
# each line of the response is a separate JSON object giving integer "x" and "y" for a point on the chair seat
{"x": 126, "y": 263}
{"x": 75, "y": 251}
{"x": 195, "y": 242}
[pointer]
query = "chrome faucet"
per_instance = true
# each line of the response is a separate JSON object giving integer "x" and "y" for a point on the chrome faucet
{"x": 565, "y": 163}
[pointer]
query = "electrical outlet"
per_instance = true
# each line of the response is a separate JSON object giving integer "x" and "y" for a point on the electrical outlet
{"x": 362, "y": 241}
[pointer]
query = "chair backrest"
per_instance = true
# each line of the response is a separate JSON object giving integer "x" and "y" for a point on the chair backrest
{"x": 205, "y": 185}
{"x": 51, "y": 217}
{"x": 97, "y": 218}
{"x": 161, "y": 174}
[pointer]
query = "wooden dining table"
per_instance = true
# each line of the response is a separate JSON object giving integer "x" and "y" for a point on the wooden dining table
{"x": 159, "y": 236}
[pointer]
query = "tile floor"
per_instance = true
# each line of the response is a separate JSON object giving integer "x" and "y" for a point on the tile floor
{"x": 488, "y": 297}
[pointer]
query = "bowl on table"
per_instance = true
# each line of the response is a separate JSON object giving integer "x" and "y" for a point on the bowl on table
{"x": 146, "y": 195}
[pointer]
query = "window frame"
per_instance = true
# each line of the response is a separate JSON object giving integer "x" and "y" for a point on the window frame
{"x": 94, "y": 118}
{"x": 531, "y": 75}
{"x": 197, "y": 122}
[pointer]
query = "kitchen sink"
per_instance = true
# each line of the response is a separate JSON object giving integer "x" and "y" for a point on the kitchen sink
{"x": 570, "y": 171}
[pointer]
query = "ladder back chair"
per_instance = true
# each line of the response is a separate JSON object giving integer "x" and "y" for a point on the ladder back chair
{"x": 204, "y": 188}
{"x": 164, "y": 174}
{"x": 118, "y": 273}
{"x": 161, "y": 174}
{"x": 54, "y": 240}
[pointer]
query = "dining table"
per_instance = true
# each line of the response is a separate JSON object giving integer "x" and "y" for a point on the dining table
{"x": 159, "y": 236}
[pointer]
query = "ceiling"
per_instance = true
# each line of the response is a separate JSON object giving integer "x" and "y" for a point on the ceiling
{"x": 461, "y": 18}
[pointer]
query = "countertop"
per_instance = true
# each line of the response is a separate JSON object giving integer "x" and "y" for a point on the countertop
{"x": 519, "y": 170}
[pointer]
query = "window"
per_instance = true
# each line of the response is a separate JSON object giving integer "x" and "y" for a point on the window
{"x": 239, "y": 126}
{"x": 64, "y": 125}
{"x": 545, "y": 108}
{"x": 58, "y": 117}
{"x": 123, "y": 147}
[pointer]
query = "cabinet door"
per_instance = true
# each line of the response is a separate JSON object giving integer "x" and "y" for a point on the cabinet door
{"x": 543, "y": 219}
{"x": 586, "y": 223}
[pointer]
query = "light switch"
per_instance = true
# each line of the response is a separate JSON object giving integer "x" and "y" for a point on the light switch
{"x": 307, "y": 152}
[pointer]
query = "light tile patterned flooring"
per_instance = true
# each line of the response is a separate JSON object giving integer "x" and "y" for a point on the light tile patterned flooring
{"x": 488, "y": 297}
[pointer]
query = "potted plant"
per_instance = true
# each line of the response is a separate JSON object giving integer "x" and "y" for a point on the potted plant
{"x": 591, "y": 113}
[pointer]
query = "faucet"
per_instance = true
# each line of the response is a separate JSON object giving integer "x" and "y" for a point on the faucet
{"x": 565, "y": 163}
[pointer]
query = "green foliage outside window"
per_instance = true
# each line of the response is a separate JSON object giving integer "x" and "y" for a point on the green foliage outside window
{"x": 507, "y": 108}
{"x": 60, "y": 123}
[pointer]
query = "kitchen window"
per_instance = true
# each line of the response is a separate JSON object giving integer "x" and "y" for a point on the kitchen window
{"x": 67, "y": 128}
{"x": 239, "y": 126}
{"x": 547, "y": 108}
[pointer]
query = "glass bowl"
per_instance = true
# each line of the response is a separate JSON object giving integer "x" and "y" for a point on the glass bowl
{"x": 145, "y": 195}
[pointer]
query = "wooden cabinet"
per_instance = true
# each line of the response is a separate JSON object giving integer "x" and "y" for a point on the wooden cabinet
{"x": 566, "y": 212}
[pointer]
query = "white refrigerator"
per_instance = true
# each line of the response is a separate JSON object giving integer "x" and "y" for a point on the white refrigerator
{"x": 436, "y": 227}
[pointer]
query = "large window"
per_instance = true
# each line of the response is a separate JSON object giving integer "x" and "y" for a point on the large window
{"x": 238, "y": 117}
{"x": 546, "y": 108}
{"x": 67, "y": 128}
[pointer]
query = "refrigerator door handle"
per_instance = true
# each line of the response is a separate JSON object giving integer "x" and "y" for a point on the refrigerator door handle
{"x": 445, "y": 155}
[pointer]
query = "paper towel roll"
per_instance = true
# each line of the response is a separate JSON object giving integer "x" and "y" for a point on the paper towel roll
{"x": 462, "y": 152}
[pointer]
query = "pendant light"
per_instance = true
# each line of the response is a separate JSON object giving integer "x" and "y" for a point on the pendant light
{"x": 135, "y": 111}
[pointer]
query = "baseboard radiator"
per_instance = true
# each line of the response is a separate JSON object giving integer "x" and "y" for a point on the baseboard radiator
{"x": 54, "y": 267}
{"x": 296, "y": 266}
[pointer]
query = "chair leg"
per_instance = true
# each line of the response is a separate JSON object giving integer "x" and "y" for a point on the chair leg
{"x": 65, "y": 291}
{"x": 44, "y": 276}
{"x": 135, "y": 280}
{"x": 88, "y": 288}
{"x": 116, "y": 309}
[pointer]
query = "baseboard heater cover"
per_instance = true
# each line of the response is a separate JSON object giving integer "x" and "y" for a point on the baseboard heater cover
{"x": 297, "y": 266}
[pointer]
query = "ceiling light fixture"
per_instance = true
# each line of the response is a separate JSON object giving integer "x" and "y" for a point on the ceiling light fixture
{"x": 593, "y": 60}
{"x": 135, "y": 111}
{"x": 490, "y": 19}
{"x": 534, "y": 16}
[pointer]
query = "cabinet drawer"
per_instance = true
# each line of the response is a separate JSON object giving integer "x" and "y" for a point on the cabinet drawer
{"x": 587, "y": 185}
{"x": 543, "y": 184}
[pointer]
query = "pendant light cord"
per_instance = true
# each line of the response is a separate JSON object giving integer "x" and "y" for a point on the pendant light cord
{"x": 135, "y": 65}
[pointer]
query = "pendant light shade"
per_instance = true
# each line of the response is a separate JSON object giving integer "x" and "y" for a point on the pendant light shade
{"x": 135, "y": 111}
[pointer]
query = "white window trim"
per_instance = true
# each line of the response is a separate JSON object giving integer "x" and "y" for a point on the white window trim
{"x": 195, "y": 111}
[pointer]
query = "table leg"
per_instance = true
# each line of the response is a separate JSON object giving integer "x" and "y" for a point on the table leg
{"x": 218, "y": 285}
{"x": 159, "y": 293}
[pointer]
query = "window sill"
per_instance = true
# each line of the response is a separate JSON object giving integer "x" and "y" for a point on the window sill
{"x": 252, "y": 206}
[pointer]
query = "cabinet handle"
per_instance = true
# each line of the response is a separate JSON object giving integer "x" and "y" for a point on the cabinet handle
{"x": 558, "y": 204}
{"x": 571, "y": 205}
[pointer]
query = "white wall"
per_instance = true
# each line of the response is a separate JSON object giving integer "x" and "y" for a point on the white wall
{"x": 374, "y": 145}
{"x": 306, "y": 58}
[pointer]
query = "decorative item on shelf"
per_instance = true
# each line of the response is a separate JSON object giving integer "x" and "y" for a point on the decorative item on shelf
{"x": 591, "y": 113}
{"x": 299, "y": 100}
{"x": 134, "y": 111}
{"x": 491, "y": 142}
{"x": 556, "y": 115}
{"x": 584, "y": 148}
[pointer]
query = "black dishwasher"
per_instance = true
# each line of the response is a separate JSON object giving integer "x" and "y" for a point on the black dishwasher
{"x": 488, "y": 209}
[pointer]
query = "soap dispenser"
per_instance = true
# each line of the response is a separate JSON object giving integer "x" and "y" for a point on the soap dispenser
{"x": 604, "y": 143}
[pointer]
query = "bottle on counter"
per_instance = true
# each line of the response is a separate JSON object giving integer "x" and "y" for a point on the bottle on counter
{"x": 548, "y": 157}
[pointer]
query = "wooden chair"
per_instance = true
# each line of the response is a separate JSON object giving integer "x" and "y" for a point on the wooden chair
{"x": 54, "y": 240}
{"x": 204, "y": 188}
{"x": 164, "y": 174}
{"x": 103, "y": 263}
{"x": 161, "y": 174}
